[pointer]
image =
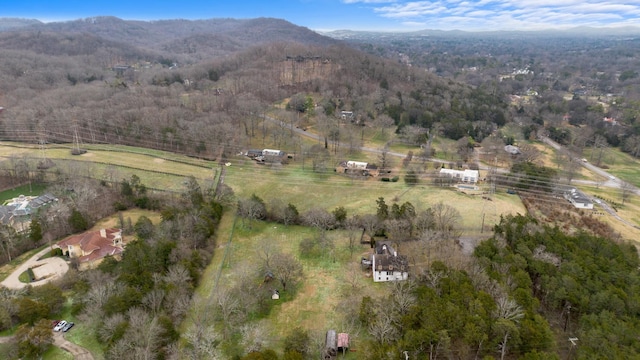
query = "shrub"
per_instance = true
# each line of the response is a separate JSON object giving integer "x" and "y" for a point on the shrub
{"x": 32, "y": 276}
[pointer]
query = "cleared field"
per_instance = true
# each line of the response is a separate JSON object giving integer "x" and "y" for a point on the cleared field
{"x": 156, "y": 169}
{"x": 315, "y": 305}
{"x": 307, "y": 190}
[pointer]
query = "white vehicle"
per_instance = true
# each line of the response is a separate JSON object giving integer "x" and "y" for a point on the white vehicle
{"x": 60, "y": 325}
{"x": 612, "y": 177}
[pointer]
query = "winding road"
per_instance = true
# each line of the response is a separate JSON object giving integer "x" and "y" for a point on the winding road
{"x": 45, "y": 270}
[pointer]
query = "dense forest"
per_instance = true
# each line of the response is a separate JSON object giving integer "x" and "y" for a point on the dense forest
{"x": 111, "y": 92}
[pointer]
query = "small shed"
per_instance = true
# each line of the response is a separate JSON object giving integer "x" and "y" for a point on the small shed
{"x": 343, "y": 342}
{"x": 253, "y": 153}
{"x": 330, "y": 346}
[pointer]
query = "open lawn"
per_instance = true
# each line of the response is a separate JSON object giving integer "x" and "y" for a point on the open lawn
{"x": 156, "y": 169}
{"x": 27, "y": 190}
{"x": 81, "y": 334}
{"x": 617, "y": 163}
{"x": 307, "y": 190}
{"x": 317, "y": 297}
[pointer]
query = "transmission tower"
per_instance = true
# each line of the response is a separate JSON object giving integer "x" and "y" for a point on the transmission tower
{"x": 489, "y": 212}
{"x": 44, "y": 162}
{"x": 76, "y": 150}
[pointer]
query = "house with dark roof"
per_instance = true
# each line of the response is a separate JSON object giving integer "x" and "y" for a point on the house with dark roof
{"x": 17, "y": 212}
{"x": 91, "y": 247}
{"x": 387, "y": 265}
{"x": 578, "y": 199}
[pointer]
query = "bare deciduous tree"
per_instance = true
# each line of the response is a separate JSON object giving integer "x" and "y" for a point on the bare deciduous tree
{"x": 446, "y": 220}
{"x": 287, "y": 269}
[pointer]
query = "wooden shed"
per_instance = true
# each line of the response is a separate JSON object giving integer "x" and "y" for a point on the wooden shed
{"x": 343, "y": 342}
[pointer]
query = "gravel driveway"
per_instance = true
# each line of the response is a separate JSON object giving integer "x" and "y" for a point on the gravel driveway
{"x": 46, "y": 270}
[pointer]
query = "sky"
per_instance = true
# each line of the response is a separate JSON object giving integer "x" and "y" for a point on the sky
{"x": 372, "y": 15}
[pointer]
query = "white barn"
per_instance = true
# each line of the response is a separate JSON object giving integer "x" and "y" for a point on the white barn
{"x": 465, "y": 176}
{"x": 359, "y": 165}
{"x": 578, "y": 199}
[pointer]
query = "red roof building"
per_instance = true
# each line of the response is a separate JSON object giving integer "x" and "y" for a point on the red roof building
{"x": 93, "y": 246}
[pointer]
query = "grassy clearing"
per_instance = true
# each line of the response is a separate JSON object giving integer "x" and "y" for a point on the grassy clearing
{"x": 27, "y": 190}
{"x": 618, "y": 163}
{"x": 84, "y": 336}
{"x": 81, "y": 334}
{"x": 156, "y": 169}
{"x": 307, "y": 190}
{"x": 55, "y": 353}
{"x": 131, "y": 214}
{"x": 315, "y": 302}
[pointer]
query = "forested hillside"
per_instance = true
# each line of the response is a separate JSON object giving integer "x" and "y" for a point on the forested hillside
{"x": 114, "y": 90}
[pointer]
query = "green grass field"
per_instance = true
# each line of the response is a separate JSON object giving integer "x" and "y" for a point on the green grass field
{"x": 27, "y": 190}
{"x": 156, "y": 169}
{"x": 618, "y": 163}
{"x": 313, "y": 306}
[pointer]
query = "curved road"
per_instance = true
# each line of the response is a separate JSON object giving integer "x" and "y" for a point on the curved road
{"x": 319, "y": 138}
{"x": 611, "y": 181}
{"x": 47, "y": 270}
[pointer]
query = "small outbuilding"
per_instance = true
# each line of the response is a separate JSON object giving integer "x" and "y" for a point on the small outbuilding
{"x": 330, "y": 346}
{"x": 343, "y": 342}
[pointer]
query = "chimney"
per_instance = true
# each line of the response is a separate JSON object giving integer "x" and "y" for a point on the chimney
{"x": 103, "y": 233}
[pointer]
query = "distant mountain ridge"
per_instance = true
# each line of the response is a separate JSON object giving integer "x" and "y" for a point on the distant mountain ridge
{"x": 178, "y": 35}
{"x": 584, "y": 31}
{"x": 16, "y": 23}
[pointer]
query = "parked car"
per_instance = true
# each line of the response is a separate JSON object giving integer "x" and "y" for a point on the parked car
{"x": 60, "y": 325}
{"x": 54, "y": 323}
{"x": 68, "y": 326}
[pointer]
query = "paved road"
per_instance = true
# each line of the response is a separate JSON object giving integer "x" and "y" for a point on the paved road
{"x": 48, "y": 269}
{"x": 611, "y": 181}
{"x": 320, "y": 139}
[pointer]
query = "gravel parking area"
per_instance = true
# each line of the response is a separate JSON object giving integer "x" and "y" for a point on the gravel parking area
{"x": 44, "y": 270}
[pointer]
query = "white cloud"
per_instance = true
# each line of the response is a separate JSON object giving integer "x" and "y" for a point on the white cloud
{"x": 368, "y": 1}
{"x": 507, "y": 14}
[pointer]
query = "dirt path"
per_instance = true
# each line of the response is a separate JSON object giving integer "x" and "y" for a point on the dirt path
{"x": 78, "y": 352}
{"x": 47, "y": 270}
